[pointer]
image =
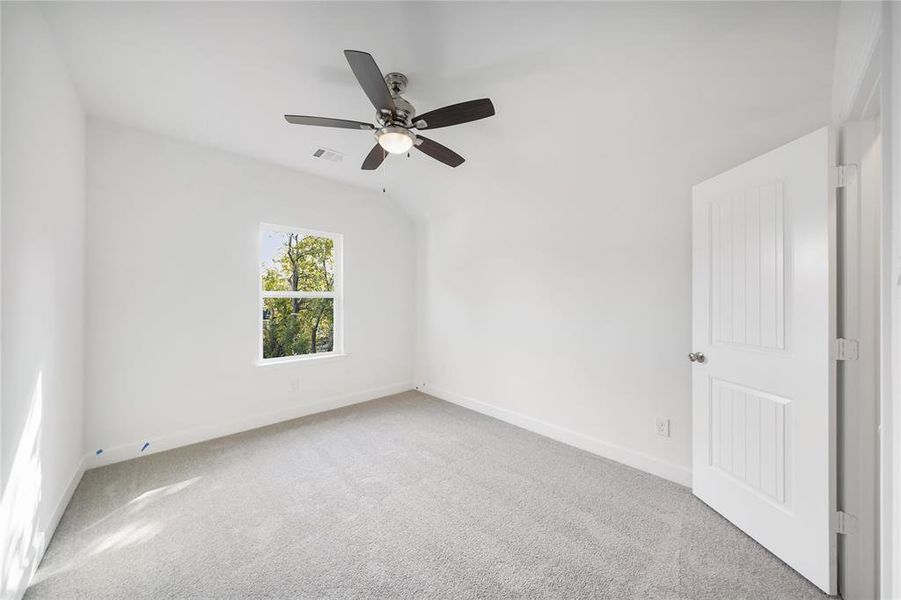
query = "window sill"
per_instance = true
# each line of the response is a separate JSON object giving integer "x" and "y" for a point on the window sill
{"x": 266, "y": 362}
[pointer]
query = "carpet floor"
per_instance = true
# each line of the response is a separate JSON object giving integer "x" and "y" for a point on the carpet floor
{"x": 402, "y": 497}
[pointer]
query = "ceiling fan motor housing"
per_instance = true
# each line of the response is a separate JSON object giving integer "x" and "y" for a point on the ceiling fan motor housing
{"x": 404, "y": 111}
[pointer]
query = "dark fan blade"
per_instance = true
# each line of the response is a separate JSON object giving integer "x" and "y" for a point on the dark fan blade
{"x": 375, "y": 157}
{"x": 326, "y": 122}
{"x": 371, "y": 79}
{"x": 455, "y": 114}
{"x": 439, "y": 152}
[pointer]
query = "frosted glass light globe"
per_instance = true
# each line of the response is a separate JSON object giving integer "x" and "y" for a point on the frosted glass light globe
{"x": 395, "y": 140}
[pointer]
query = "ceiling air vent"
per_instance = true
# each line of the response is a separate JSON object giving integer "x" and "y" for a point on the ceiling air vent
{"x": 328, "y": 154}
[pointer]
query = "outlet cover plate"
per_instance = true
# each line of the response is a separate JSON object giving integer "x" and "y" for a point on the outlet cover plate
{"x": 661, "y": 426}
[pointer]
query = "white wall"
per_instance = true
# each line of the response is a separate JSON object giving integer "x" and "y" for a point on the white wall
{"x": 555, "y": 306}
{"x": 172, "y": 276}
{"x": 42, "y": 219}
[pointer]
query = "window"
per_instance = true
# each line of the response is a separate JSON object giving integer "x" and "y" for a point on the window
{"x": 300, "y": 293}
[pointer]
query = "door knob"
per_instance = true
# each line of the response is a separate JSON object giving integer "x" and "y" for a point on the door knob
{"x": 696, "y": 357}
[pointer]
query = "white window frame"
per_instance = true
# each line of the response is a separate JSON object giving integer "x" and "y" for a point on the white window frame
{"x": 337, "y": 295}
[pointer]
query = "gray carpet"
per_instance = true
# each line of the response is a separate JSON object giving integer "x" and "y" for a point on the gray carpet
{"x": 401, "y": 497}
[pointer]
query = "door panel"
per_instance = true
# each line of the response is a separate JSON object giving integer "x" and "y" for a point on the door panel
{"x": 763, "y": 404}
{"x": 748, "y": 264}
{"x": 748, "y": 438}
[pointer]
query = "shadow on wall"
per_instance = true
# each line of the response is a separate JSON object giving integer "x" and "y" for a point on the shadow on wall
{"x": 23, "y": 537}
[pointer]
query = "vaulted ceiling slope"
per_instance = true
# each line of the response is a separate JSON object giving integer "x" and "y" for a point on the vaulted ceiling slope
{"x": 626, "y": 85}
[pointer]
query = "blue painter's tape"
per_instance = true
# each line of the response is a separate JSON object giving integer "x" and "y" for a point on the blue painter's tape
{"x": 144, "y": 447}
{"x": 99, "y": 451}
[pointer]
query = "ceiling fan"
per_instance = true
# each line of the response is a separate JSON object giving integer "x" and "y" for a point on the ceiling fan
{"x": 397, "y": 118}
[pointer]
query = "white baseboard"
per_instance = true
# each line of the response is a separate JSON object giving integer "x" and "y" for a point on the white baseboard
{"x": 208, "y": 432}
{"x": 64, "y": 501}
{"x": 621, "y": 454}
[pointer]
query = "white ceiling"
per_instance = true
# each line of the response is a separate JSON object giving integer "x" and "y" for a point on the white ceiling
{"x": 575, "y": 85}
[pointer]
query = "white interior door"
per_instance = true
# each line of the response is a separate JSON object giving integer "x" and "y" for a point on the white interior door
{"x": 763, "y": 317}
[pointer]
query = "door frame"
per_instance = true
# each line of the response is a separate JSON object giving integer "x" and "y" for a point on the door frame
{"x": 865, "y": 75}
{"x": 859, "y": 225}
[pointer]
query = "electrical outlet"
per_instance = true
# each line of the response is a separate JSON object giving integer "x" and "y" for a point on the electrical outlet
{"x": 661, "y": 426}
{"x": 295, "y": 385}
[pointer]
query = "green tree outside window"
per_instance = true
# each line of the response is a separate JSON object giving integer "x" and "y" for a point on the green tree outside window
{"x": 295, "y": 326}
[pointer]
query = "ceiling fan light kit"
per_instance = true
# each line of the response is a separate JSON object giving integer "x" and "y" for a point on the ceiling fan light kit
{"x": 397, "y": 117}
{"x": 395, "y": 140}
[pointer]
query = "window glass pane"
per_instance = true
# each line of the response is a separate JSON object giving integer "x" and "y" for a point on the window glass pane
{"x": 296, "y": 326}
{"x": 295, "y": 262}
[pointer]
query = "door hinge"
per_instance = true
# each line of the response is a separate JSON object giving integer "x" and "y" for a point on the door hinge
{"x": 842, "y": 175}
{"x": 844, "y": 523}
{"x": 843, "y": 349}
